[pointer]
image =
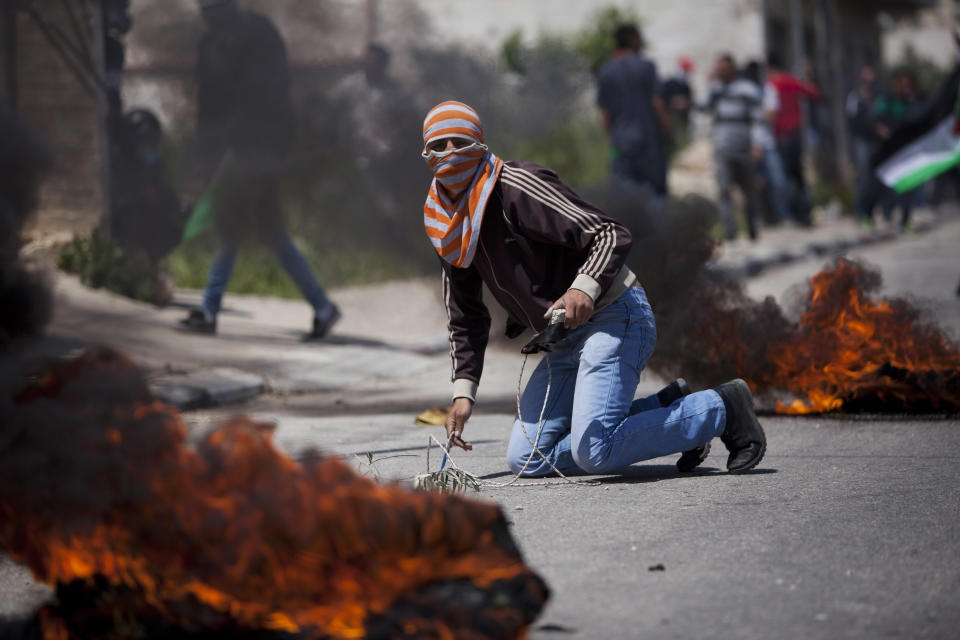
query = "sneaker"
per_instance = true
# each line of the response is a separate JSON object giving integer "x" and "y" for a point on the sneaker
{"x": 198, "y": 322}
{"x": 322, "y": 325}
{"x": 743, "y": 434}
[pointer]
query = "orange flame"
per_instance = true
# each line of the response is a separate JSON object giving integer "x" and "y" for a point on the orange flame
{"x": 233, "y": 524}
{"x": 851, "y": 352}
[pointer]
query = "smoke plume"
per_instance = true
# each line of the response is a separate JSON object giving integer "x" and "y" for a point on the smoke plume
{"x": 145, "y": 536}
{"x": 24, "y": 296}
{"x": 846, "y": 349}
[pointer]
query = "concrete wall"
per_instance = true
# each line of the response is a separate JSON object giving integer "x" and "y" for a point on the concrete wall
{"x": 161, "y": 48}
{"x": 54, "y": 102}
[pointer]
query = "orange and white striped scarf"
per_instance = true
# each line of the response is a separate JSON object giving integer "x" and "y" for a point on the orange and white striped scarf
{"x": 462, "y": 182}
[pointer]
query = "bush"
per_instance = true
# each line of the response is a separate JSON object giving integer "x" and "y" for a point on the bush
{"x": 823, "y": 193}
{"x": 595, "y": 43}
{"x": 257, "y": 271}
{"x": 101, "y": 264}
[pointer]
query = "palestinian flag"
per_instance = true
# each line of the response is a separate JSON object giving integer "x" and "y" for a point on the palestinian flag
{"x": 924, "y": 146}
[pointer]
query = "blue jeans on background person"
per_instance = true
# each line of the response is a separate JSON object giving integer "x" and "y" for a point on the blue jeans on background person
{"x": 777, "y": 184}
{"x": 592, "y": 422}
{"x": 790, "y": 149}
{"x": 736, "y": 168}
{"x": 906, "y": 201}
{"x": 868, "y": 185}
{"x": 643, "y": 168}
{"x": 286, "y": 254}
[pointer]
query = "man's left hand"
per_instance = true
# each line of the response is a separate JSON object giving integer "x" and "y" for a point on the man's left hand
{"x": 579, "y": 308}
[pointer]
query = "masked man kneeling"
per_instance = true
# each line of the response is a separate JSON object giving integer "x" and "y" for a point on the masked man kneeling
{"x": 517, "y": 228}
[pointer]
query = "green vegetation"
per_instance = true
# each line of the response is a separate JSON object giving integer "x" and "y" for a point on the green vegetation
{"x": 594, "y": 43}
{"x": 257, "y": 271}
{"x": 823, "y": 192}
{"x": 577, "y": 150}
{"x": 101, "y": 264}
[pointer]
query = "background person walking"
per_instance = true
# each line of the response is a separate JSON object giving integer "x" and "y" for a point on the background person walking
{"x": 738, "y": 134}
{"x": 634, "y": 114}
{"x": 244, "y": 138}
{"x": 865, "y": 134}
{"x": 788, "y": 131}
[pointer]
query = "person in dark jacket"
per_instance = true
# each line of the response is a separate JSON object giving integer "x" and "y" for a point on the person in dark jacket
{"x": 892, "y": 110}
{"x": 517, "y": 228}
{"x": 634, "y": 114}
{"x": 865, "y": 134}
{"x": 244, "y": 139}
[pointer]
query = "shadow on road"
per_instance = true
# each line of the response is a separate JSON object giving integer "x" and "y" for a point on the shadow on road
{"x": 637, "y": 474}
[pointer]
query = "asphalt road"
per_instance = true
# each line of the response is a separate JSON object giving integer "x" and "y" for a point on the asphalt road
{"x": 848, "y": 529}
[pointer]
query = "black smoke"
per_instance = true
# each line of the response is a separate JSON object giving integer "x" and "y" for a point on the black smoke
{"x": 24, "y": 295}
{"x": 702, "y": 313}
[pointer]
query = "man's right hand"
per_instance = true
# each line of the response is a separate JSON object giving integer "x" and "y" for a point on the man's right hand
{"x": 460, "y": 412}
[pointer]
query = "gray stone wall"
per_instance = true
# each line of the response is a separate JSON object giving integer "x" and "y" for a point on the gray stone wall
{"x": 56, "y": 103}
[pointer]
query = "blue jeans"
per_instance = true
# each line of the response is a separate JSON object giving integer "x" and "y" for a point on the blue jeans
{"x": 642, "y": 168}
{"x": 791, "y": 157}
{"x": 869, "y": 186}
{"x": 286, "y": 254}
{"x": 777, "y": 184}
{"x": 592, "y": 422}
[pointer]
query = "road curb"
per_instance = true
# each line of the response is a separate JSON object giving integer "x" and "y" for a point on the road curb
{"x": 203, "y": 388}
{"x": 752, "y": 266}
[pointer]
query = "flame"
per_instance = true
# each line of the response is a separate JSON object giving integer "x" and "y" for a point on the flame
{"x": 231, "y": 525}
{"x": 852, "y": 352}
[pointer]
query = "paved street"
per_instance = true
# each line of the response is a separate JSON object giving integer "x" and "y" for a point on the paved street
{"x": 846, "y": 530}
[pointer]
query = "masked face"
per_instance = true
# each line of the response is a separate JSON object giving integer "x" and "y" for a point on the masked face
{"x": 440, "y": 149}
{"x": 464, "y": 175}
{"x": 450, "y": 156}
{"x": 453, "y": 160}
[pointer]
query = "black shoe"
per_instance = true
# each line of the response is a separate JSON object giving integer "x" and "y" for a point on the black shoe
{"x": 743, "y": 434}
{"x": 323, "y": 324}
{"x": 197, "y": 322}
{"x": 692, "y": 459}
{"x": 673, "y": 392}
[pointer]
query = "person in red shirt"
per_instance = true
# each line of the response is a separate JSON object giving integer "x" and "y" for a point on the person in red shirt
{"x": 788, "y": 131}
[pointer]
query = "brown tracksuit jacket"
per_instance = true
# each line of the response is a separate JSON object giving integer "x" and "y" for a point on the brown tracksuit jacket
{"x": 537, "y": 239}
